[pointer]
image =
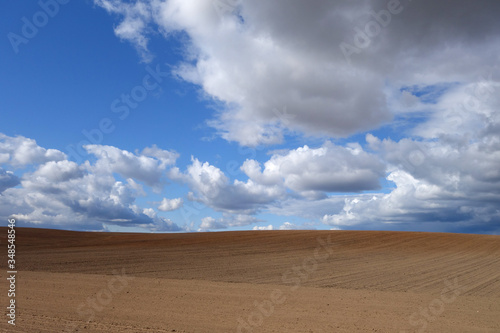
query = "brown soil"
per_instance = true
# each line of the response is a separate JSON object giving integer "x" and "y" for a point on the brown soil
{"x": 253, "y": 281}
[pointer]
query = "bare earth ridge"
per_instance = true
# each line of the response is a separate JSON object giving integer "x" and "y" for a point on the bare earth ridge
{"x": 253, "y": 281}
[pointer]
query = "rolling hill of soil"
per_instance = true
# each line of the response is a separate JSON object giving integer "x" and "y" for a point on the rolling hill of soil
{"x": 254, "y": 281}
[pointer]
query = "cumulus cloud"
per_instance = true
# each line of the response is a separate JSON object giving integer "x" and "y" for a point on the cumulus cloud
{"x": 306, "y": 172}
{"x": 88, "y": 201}
{"x": 264, "y": 56}
{"x": 134, "y": 26}
{"x": 416, "y": 205}
{"x": 447, "y": 175}
{"x": 209, "y": 222}
{"x": 20, "y": 151}
{"x": 59, "y": 171}
{"x": 213, "y": 188}
{"x": 467, "y": 111}
{"x": 288, "y": 226}
{"x": 168, "y": 205}
{"x": 315, "y": 172}
{"x": 84, "y": 196}
{"x": 148, "y": 166}
{"x": 226, "y": 221}
{"x": 158, "y": 223}
{"x": 165, "y": 157}
{"x": 281, "y": 68}
{"x": 268, "y": 227}
{"x": 445, "y": 180}
{"x": 311, "y": 209}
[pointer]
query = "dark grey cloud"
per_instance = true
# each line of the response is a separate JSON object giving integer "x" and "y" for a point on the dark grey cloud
{"x": 266, "y": 56}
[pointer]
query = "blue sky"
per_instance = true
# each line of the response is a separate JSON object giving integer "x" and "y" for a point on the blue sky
{"x": 215, "y": 115}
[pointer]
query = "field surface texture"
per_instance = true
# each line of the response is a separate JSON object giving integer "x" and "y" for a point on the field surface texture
{"x": 253, "y": 281}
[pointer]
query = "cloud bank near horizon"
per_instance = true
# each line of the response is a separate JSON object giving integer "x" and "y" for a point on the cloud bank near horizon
{"x": 443, "y": 186}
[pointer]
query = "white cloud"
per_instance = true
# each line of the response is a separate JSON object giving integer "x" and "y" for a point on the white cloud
{"x": 168, "y": 205}
{"x": 306, "y": 208}
{"x": 158, "y": 223}
{"x": 149, "y": 166}
{"x": 308, "y": 172}
{"x": 20, "y": 151}
{"x": 208, "y": 223}
{"x": 449, "y": 184}
{"x": 315, "y": 172}
{"x": 413, "y": 202}
{"x": 269, "y": 227}
{"x": 288, "y": 226}
{"x": 447, "y": 179}
{"x": 226, "y": 221}
{"x": 87, "y": 196}
{"x": 134, "y": 25}
{"x": 59, "y": 171}
{"x": 213, "y": 188}
{"x": 166, "y": 157}
{"x": 265, "y": 56}
{"x": 467, "y": 111}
